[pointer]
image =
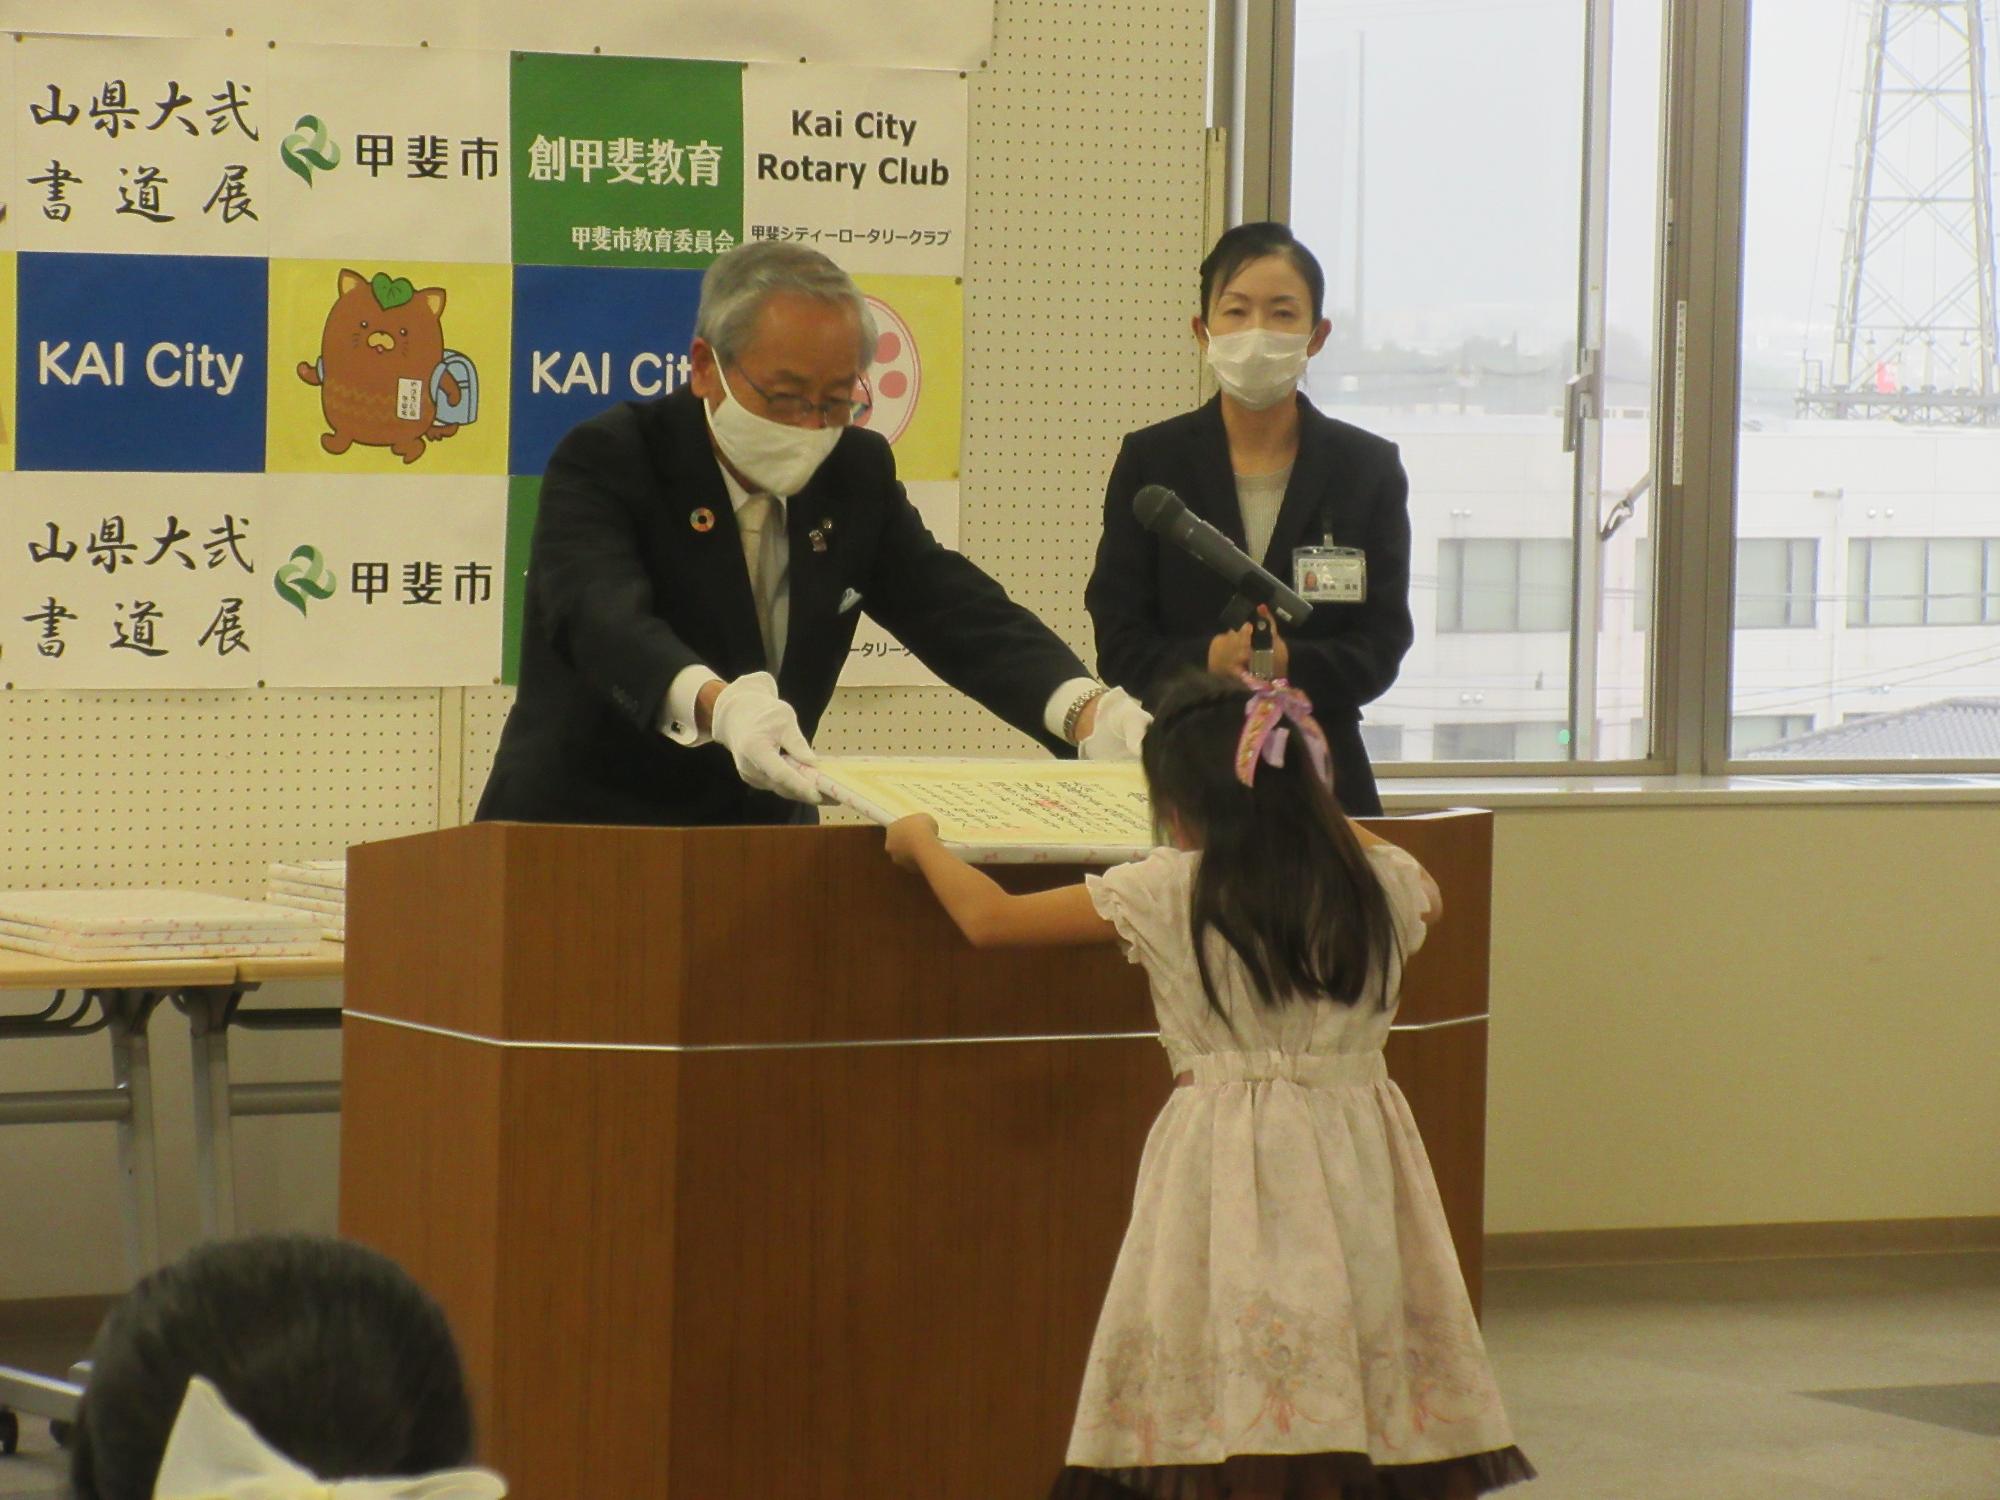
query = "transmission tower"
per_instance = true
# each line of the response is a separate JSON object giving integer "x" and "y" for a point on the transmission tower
{"x": 1915, "y": 336}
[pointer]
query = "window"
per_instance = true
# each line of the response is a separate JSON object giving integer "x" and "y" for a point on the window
{"x": 1503, "y": 584}
{"x": 1835, "y": 233}
{"x": 1501, "y": 741}
{"x": 1775, "y": 587}
{"x": 1383, "y": 742}
{"x": 1465, "y": 270}
{"x": 1867, "y": 407}
{"x": 1749, "y": 733}
{"x": 1923, "y": 581}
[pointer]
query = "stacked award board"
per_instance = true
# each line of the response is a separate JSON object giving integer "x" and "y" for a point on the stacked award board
{"x": 132, "y": 925}
{"x": 316, "y": 887}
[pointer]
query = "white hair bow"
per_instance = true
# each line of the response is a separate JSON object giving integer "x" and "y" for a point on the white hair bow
{"x": 213, "y": 1454}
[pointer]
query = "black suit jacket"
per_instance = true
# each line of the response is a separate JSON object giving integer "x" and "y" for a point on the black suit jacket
{"x": 1155, "y": 609}
{"x": 624, "y": 592}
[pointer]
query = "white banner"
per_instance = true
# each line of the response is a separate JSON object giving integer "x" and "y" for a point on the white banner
{"x": 156, "y": 592}
{"x": 233, "y": 580}
{"x": 373, "y": 585}
{"x": 949, "y": 34}
{"x": 389, "y": 152}
{"x": 865, "y": 164}
{"x": 154, "y": 149}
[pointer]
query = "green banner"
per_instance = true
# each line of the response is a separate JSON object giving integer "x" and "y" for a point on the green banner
{"x": 626, "y": 161}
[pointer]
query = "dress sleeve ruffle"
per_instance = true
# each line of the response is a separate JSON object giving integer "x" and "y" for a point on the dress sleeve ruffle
{"x": 1403, "y": 878}
{"x": 1146, "y": 901}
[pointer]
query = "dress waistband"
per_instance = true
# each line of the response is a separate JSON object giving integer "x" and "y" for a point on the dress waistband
{"x": 1311, "y": 1070}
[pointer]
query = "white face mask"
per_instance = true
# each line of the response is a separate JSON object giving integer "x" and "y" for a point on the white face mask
{"x": 779, "y": 457}
{"x": 1259, "y": 366}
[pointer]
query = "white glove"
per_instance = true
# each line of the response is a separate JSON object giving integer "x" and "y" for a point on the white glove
{"x": 1118, "y": 730}
{"x": 761, "y": 730}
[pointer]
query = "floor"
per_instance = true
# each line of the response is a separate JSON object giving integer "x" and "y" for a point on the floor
{"x": 1872, "y": 1378}
{"x": 36, "y": 1472}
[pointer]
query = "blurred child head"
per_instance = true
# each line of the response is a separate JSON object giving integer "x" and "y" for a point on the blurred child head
{"x": 331, "y": 1352}
{"x": 1282, "y": 877}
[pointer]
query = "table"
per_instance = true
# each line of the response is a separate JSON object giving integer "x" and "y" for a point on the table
{"x": 120, "y": 1000}
{"x": 211, "y": 1011}
{"x": 123, "y": 997}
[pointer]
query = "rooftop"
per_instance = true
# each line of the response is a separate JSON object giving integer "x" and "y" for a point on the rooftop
{"x": 1950, "y": 729}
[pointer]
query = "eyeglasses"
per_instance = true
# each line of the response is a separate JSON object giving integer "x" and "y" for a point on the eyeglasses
{"x": 793, "y": 410}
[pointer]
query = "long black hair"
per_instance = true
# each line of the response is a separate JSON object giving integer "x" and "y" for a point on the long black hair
{"x": 331, "y": 1352}
{"x": 1282, "y": 877}
{"x": 1247, "y": 242}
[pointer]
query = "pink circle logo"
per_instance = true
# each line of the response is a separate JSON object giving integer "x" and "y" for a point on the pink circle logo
{"x": 896, "y": 377}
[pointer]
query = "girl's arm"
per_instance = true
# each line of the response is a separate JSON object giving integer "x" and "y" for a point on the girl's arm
{"x": 1433, "y": 897}
{"x": 988, "y": 916}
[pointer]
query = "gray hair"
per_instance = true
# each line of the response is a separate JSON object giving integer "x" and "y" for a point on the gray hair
{"x": 734, "y": 287}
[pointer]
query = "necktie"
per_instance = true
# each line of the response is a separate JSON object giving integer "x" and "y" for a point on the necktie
{"x": 765, "y": 554}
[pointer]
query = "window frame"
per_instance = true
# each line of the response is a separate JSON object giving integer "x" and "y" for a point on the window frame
{"x": 1861, "y": 597}
{"x": 1454, "y": 546}
{"x": 1792, "y": 598}
{"x": 1697, "y": 349}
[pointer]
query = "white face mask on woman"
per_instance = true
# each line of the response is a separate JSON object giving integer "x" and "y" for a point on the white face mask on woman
{"x": 775, "y": 455}
{"x": 1258, "y": 366}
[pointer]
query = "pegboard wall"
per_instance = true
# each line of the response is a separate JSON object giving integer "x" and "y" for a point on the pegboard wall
{"x": 1086, "y": 223}
{"x": 202, "y": 789}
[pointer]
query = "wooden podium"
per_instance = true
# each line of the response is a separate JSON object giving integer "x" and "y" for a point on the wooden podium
{"x": 742, "y": 1176}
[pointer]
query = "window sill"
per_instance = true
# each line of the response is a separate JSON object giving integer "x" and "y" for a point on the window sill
{"x": 1508, "y": 793}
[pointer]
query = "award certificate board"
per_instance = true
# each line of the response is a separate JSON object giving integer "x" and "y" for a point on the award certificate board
{"x": 1003, "y": 811}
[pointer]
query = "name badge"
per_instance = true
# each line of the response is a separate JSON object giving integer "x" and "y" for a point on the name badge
{"x": 1330, "y": 575}
{"x": 409, "y": 400}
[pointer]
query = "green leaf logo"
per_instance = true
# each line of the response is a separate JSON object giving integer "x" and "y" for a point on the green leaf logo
{"x": 305, "y": 576}
{"x": 309, "y": 146}
{"x": 390, "y": 293}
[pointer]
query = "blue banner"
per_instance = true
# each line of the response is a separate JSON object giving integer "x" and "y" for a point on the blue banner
{"x": 588, "y": 338}
{"x": 142, "y": 362}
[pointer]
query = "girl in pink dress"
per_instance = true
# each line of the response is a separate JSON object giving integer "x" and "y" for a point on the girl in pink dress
{"x": 1287, "y": 1320}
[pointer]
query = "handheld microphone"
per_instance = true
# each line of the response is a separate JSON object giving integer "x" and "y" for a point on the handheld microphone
{"x": 1263, "y": 649}
{"x": 1164, "y": 513}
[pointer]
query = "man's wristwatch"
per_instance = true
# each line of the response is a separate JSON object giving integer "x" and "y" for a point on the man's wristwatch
{"x": 1075, "y": 712}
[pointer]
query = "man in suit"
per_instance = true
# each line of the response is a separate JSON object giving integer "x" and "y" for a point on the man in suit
{"x": 1321, "y": 504}
{"x": 698, "y": 567}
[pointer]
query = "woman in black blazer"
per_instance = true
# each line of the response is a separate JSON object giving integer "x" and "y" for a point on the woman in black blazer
{"x": 1321, "y": 504}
